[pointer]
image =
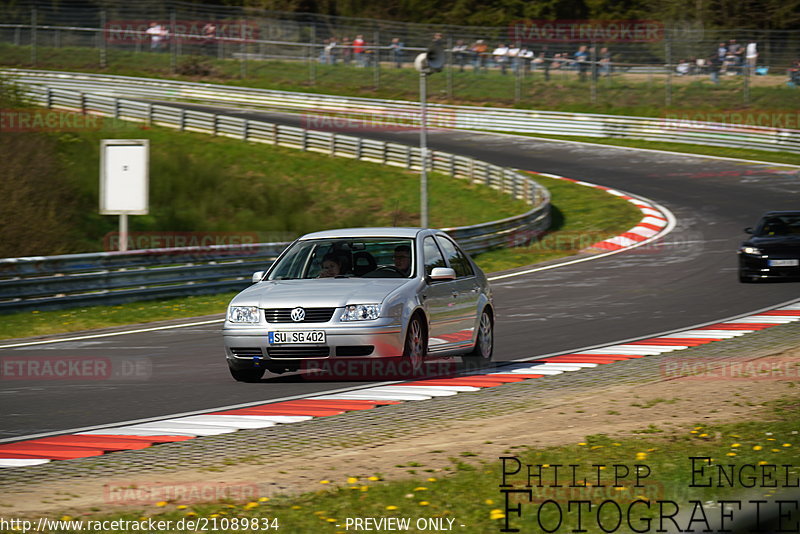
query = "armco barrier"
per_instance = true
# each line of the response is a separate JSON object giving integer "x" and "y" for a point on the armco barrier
{"x": 112, "y": 277}
{"x": 677, "y": 130}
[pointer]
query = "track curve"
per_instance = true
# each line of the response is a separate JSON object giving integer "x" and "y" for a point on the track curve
{"x": 685, "y": 279}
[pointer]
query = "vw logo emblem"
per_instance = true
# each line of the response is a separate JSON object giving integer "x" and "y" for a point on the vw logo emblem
{"x": 298, "y": 314}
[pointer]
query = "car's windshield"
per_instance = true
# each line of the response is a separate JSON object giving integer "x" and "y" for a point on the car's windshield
{"x": 779, "y": 225}
{"x": 369, "y": 257}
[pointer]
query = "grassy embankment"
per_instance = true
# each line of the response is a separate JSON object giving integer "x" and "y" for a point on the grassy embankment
{"x": 468, "y": 491}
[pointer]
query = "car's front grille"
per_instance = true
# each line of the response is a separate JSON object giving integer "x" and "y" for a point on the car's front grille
{"x": 247, "y": 352}
{"x": 284, "y": 315}
{"x": 298, "y": 352}
{"x": 355, "y": 350}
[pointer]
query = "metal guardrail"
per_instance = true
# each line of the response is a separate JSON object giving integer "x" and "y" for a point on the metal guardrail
{"x": 677, "y": 129}
{"x": 112, "y": 277}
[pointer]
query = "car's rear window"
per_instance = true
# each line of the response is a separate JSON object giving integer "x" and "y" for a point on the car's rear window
{"x": 346, "y": 258}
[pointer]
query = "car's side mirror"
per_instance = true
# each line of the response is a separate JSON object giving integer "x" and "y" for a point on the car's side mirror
{"x": 257, "y": 276}
{"x": 442, "y": 273}
{"x": 748, "y": 230}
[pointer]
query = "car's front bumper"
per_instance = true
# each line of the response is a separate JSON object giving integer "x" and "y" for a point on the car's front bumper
{"x": 758, "y": 266}
{"x": 249, "y": 345}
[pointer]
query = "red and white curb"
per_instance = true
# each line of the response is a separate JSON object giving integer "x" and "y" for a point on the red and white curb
{"x": 655, "y": 221}
{"x": 261, "y": 416}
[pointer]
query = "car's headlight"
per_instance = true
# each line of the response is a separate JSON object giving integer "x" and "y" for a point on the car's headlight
{"x": 361, "y": 312}
{"x": 750, "y": 250}
{"x": 243, "y": 314}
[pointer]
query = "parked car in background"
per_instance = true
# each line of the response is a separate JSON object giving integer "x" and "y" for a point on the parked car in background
{"x": 773, "y": 249}
{"x": 361, "y": 293}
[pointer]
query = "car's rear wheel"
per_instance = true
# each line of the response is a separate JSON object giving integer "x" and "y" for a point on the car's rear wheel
{"x": 416, "y": 344}
{"x": 484, "y": 345}
{"x": 251, "y": 374}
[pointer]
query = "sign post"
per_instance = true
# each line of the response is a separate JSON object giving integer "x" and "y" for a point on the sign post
{"x": 124, "y": 177}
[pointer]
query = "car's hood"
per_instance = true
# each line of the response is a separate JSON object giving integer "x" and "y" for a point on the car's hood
{"x": 318, "y": 293}
{"x": 772, "y": 242}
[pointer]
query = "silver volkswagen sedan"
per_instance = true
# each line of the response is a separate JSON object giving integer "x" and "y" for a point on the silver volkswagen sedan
{"x": 405, "y": 293}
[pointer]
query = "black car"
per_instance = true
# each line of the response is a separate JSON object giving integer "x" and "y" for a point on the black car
{"x": 773, "y": 250}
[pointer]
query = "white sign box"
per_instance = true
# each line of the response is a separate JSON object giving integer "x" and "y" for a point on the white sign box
{"x": 124, "y": 176}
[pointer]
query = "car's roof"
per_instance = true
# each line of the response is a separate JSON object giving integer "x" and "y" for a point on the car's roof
{"x": 781, "y": 212}
{"x": 364, "y": 232}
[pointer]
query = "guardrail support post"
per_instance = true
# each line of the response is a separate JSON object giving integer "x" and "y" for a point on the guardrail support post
{"x": 275, "y": 133}
{"x": 103, "y": 40}
{"x": 332, "y": 148}
{"x": 49, "y": 98}
{"x": 358, "y": 148}
{"x": 182, "y": 120}
{"x": 150, "y": 114}
{"x": 245, "y": 130}
{"x": 304, "y": 141}
{"x": 34, "y": 57}
{"x": 214, "y": 126}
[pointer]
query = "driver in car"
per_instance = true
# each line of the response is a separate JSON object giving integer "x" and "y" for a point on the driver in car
{"x": 402, "y": 259}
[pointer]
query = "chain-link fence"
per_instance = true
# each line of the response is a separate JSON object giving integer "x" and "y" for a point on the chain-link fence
{"x": 172, "y": 33}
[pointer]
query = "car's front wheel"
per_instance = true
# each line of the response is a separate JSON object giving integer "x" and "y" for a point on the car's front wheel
{"x": 251, "y": 374}
{"x": 416, "y": 345}
{"x": 484, "y": 345}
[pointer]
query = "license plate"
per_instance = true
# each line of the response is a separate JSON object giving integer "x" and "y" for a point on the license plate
{"x": 309, "y": 336}
{"x": 784, "y": 263}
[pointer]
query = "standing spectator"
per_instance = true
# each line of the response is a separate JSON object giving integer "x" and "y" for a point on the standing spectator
{"x": 158, "y": 36}
{"x": 480, "y": 49}
{"x": 735, "y": 52}
{"x": 513, "y": 57}
{"x": 460, "y": 54}
{"x": 605, "y": 62}
{"x": 329, "y": 52}
{"x": 500, "y": 56}
{"x": 525, "y": 58}
{"x": 359, "y": 51}
{"x": 347, "y": 50}
{"x": 582, "y": 62}
{"x": 209, "y": 38}
{"x": 794, "y": 74}
{"x": 714, "y": 65}
{"x": 751, "y": 56}
{"x": 396, "y": 52}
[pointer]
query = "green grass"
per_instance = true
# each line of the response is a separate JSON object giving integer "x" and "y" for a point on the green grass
{"x": 468, "y": 491}
{"x": 200, "y": 183}
{"x": 581, "y": 216}
{"x": 642, "y": 95}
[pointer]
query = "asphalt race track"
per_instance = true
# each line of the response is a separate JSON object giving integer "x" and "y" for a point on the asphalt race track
{"x": 688, "y": 277}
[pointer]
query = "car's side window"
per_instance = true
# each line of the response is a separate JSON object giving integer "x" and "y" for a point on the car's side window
{"x": 431, "y": 255}
{"x": 458, "y": 261}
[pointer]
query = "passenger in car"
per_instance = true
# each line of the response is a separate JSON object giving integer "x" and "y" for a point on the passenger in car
{"x": 332, "y": 265}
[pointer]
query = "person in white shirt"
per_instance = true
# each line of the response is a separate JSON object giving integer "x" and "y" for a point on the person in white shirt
{"x": 157, "y": 34}
{"x": 500, "y": 56}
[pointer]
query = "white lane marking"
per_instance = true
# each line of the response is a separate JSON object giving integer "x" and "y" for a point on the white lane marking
{"x": 110, "y": 334}
{"x": 532, "y": 371}
{"x": 573, "y": 364}
{"x": 197, "y": 430}
{"x": 373, "y": 396}
{"x": 419, "y": 390}
{"x": 777, "y": 319}
{"x": 453, "y": 388}
{"x": 130, "y": 431}
{"x": 21, "y": 462}
{"x": 554, "y": 367}
{"x": 233, "y": 421}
